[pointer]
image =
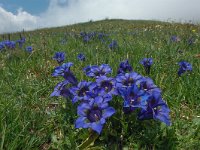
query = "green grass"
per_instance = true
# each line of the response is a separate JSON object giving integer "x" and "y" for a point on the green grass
{"x": 31, "y": 119}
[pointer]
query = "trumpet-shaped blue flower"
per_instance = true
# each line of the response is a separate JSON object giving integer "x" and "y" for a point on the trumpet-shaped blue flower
{"x": 96, "y": 71}
{"x": 93, "y": 114}
{"x": 29, "y": 49}
{"x": 184, "y": 66}
{"x": 59, "y": 57}
{"x": 64, "y": 71}
{"x": 113, "y": 45}
{"x": 106, "y": 85}
{"x": 147, "y": 62}
{"x": 82, "y": 34}
{"x": 80, "y": 91}
{"x": 81, "y": 57}
{"x": 147, "y": 85}
{"x": 134, "y": 98}
{"x": 87, "y": 69}
{"x": 102, "y": 37}
{"x": 1, "y": 46}
{"x": 127, "y": 79}
{"x": 157, "y": 109}
{"x": 62, "y": 90}
{"x": 86, "y": 38}
{"x": 175, "y": 38}
{"x": 21, "y": 41}
{"x": 124, "y": 67}
{"x": 60, "y": 70}
{"x": 9, "y": 44}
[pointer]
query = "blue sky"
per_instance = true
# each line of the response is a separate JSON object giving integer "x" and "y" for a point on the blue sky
{"x": 16, "y": 15}
{"x": 34, "y": 7}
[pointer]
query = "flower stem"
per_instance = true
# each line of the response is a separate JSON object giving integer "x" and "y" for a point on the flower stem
{"x": 93, "y": 136}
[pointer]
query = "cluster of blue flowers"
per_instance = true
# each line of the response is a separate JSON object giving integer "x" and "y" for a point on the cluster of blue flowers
{"x": 137, "y": 92}
{"x": 8, "y": 44}
{"x": 101, "y": 36}
{"x": 93, "y": 97}
{"x": 29, "y": 49}
{"x": 175, "y": 38}
{"x": 81, "y": 57}
{"x": 113, "y": 44}
{"x": 184, "y": 67}
{"x": 87, "y": 36}
{"x": 190, "y": 41}
{"x": 147, "y": 62}
{"x": 60, "y": 57}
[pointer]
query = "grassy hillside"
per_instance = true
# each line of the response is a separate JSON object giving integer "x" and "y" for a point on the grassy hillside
{"x": 31, "y": 119}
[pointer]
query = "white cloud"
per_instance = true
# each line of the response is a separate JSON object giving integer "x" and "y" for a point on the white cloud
{"x": 22, "y": 20}
{"x": 62, "y": 12}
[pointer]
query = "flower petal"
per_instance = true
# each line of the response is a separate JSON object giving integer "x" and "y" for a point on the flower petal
{"x": 82, "y": 109}
{"x": 97, "y": 126}
{"x": 108, "y": 112}
{"x": 80, "y": 122}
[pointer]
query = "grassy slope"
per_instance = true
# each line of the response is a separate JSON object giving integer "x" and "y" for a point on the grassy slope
{"x": 30, "y": 119}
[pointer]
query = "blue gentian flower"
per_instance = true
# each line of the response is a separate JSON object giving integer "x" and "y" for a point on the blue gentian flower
{"x": 12, "y": 44}
{"x": 21, "y": 41}
{"x": 93, "y": 114}
{"x": 157, "y": 109}
{"x": 80, "y": 91}
{"x": 113, "y": 44}
{"x": 82, "y": 34}
{"x": 6, "y": 43}
{"x": 175, "y": 38}
{"x": 92, "y": 34}
{"x": 147, "y": 62}
{"x": 101, "y": 37}
{"x": 127, "y": 79}
{"x": 134, "y": 98}
{"x": 9, "y": 44}
{"x": 64, "y": 71}
{"x": 147, "y": 85}
{"x": 87, "y": 69}
{"x": 106, "y": 86}
{"x": 96, "y": 71}
{"x": 184, "y": 66}
{"x": 29, "y": 49}
{"x": 81, "y": 57}
{"x": 91, "y": 71}
{"x": 59, "y": 57}
{"x": 86, "y": 38}
{"x": 60, "y": 70}
{"x": 91, "y": 95}
{"x": 124, "y": 67}
{"x": 1, "y": 46}
{"x": 62, "y": 90}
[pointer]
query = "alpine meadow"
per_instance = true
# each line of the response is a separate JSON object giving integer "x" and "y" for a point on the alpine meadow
{"x": 101, "y": 85}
